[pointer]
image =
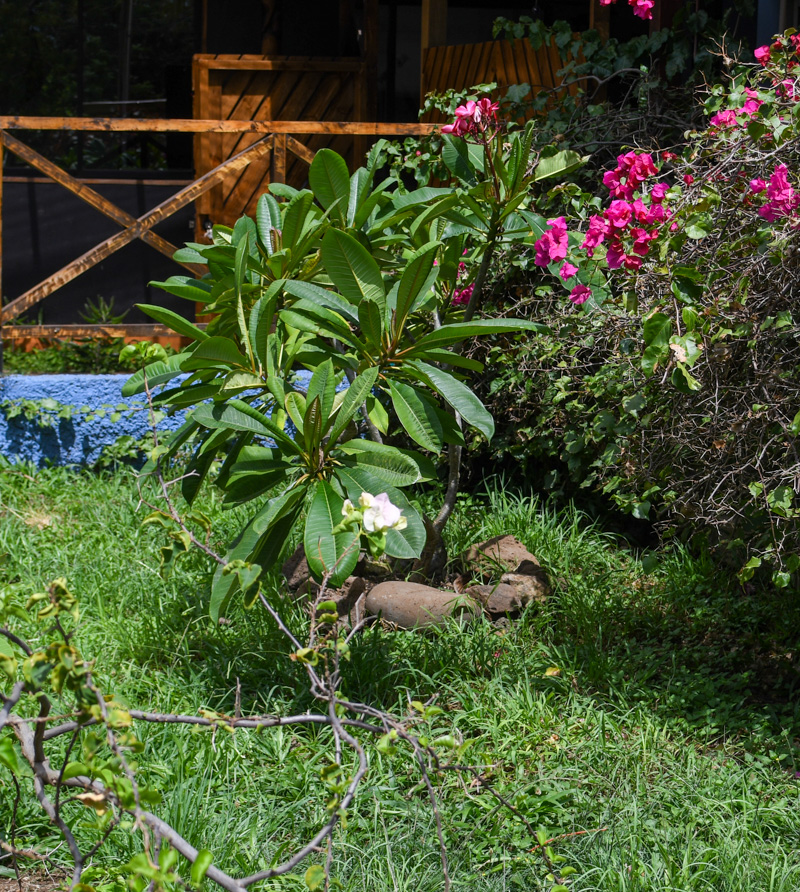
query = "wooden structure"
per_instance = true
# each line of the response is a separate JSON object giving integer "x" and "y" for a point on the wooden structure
{"x": 275, "y": 137}
{"x": 505, "y": 62}
{"x": 263, "y": 88}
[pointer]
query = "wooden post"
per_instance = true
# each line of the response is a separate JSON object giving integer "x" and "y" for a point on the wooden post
{"x": 278, "y": 173}
{"x": 600, "y": 18}
{"x": 434, "y": 33}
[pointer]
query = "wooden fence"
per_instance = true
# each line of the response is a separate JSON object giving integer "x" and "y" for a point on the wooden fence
{"x": 274, "y": 138}
{"x": 505, "y": 62}
{"x": 264, "y": 88}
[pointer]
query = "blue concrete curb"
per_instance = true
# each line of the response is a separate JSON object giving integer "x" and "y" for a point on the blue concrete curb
{"x": 77, "y": 440}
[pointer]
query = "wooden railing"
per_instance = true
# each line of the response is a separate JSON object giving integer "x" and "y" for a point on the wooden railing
{"x": 278, "y": 138}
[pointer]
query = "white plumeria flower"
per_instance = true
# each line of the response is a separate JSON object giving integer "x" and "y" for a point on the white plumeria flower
{"x": 348, "y": 508}
{"x": 380, "y": 515}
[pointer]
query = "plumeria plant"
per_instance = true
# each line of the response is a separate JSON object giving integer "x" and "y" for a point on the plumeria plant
{"x": 337, "y": 320}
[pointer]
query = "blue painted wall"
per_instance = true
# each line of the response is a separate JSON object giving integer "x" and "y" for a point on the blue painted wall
{"x": 75, "y": 440}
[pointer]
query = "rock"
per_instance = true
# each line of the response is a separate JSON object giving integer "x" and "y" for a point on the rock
{"x": 295, "y": 569}
{"x": 411, "y": 605}
{"x": 498, "y": 600}
{"x": 501, "y": 554}
{"x": 529, "y": 587}
{"x": 349, "y": 593}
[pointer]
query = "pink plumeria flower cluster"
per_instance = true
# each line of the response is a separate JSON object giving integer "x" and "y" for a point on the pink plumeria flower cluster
{"x": 782, "y": 200}
{"x": 733, "y": 117}
{"x": 473, "y": 118}
{"x": 462, "y": 296}
{"x": 642, "y": 8}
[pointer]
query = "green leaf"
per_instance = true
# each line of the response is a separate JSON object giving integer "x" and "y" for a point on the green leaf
{"x": 417, "y": 415}
{"x": 657, "y": 329}
{"x": 370, "y": 318}
{"x": 323, "y": 385}
{"x": 240, "y": 416}
{"x": 202, "y": 862}
{"x": 322, "y": 297}
{"x": 176, "y": 322}
{"x": 330, "y": 180}
{"x": 414, "y": 280}
{"x": 327, "y": 552}
{"x": 296, "y": 217}
{"x": 459, "y": 331}
{"x": 683, "y": 381}
{"x": 794, "y": 427}
{"x": 554, "y": 163}
{"x": 268, "y": 217}
{"x": 385, "y": 462}
{"x": 377, "y": 414}
{"x": 261, "y": 542}
{"x": 315, "y": 877}
{"x": 156, "y": 373}
{"x": 187, "y": 287}
{"x": 216, "y": 352}
{"x": 319, "y": 321}
{"x": 353, "y": 399}
{"x": 8, "y": 755}
{"x": 351, "y": 267}
{"x": 459, "y": 396}
{"x": 698, "y": 226}
{"x": 456, "y": 157}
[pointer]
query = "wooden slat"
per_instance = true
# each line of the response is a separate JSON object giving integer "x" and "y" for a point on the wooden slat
{"x": 258, "y": 63}
{"x": 92, "y": 198}
{"x": 74, "y": 332}
{"x": 191, "y": 125}
{"x": 115, "y": 242}
{"x": 297, "y": 148}
{"x": 100, "y": 181}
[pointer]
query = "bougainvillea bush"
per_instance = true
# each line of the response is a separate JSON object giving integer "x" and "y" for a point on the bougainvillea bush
{"x": 675, "y": 387}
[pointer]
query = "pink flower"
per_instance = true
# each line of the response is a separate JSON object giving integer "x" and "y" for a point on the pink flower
{"x": 458, "y": 128}
{"x": 632, "y": 263}
{"x": 580, "y": 293}
{"x": 688, "y": 179}
{"x": 553, "y": 244}
{"x": 469, "y": 110}
{"x": 782, "y": 200}
{"x": 598, "y": 230}
{"x": 762, "y": 55}
{"x": 488, "y": 109}
{"x": 615, "y": 255}
{"x": 658, "y": 192}
{"x": 463, "y": 296}
{"x": 726, "y": 118}
{"x": 567, "y": 271}
{"x": 642, "y": 8}
{"x": 619, "y": 214}
{"x": 642, "y": 238}
{"x": 757, "y": 185}
{"x": 668, "y": 156}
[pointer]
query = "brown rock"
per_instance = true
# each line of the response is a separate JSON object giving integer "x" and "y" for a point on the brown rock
{"x": 529, "y": 586}
{"x": 411, "y": 605}
{"x": 346, "y": 596}
{"x": 295, "y": 569}
{"x": 501, "y": 554}
{"x": 499, "y": 600}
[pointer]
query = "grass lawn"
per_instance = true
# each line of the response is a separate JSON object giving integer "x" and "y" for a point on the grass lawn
{"x": 663, "y": 751}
